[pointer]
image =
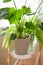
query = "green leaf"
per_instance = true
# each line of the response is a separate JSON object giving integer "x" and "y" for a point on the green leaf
{"x": 4, "y": 40}
{"x": 8, "y": 43}
{"x": 9, "y": 31}
{"x": 29, "y": 25}
{"x": 3, "y": 13}
{"x": 11, "y": 12}
{"x": 37, "y": 21}
{"x": 16, "y": 17}
{"x": 20, "y": 29}
{"x": 41, "y": 26}
{"x": 26, "y": 10}
{"x": 13, "y": 20}
{"x": 13, "y": 36}
{"x": 39, "y": 35}
{"x": 18, "y": 13}
{"x": 6, "y": 1}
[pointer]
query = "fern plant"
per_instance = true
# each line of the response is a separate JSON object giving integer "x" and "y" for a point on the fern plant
{"x": 19, "y": 26}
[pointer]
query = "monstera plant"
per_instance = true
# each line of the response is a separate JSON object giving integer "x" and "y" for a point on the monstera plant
{"x": 21, "y": 30}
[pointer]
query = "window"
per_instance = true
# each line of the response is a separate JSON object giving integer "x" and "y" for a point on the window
{"x": 32, "y": 3}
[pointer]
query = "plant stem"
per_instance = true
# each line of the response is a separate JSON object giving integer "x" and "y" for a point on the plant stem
{"x": 40, "y": 14}
{"x": 25, "y": 2}
{"x": 34, "y": 17}
{"x": 38, "y": 6}
{"x": 14, "y": 4}
{"x": 23, "y": 15}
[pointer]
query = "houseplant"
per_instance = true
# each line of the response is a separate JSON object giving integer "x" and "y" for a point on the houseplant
{"x": 21, "y": 29}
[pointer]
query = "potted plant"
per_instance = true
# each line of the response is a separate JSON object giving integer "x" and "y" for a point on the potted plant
{"x": 21, "y": 30}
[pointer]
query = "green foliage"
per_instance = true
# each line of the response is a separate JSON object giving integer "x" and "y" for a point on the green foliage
{"x": 30, "y": 26}
{"x": 18, "y": 13}
{"x": 11, "y": 12}
{"x": 16, "y": 17}
{"x": 41, "y": 25}
{"x": 39, "y": 35}
{"x": 13, "y": 36}
{"x": 8, "y": 36}
{"x": 3, "y": 13}
{"x": 37, "y": 21}
{"x": 19, "y": 26}
{"x": 26, "y": 10}
{"x": 6, "y": 1}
